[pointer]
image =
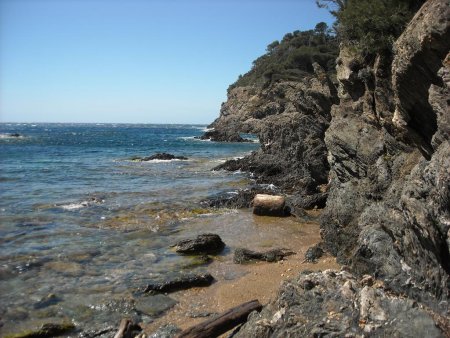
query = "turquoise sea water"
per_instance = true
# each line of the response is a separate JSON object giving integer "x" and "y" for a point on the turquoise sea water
{"x": 83, "y": 223}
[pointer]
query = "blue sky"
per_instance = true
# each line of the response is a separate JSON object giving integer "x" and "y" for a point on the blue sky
{"x": 134, "y": 61}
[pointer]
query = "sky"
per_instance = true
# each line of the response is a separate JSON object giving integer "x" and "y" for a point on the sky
{"x": 134, "y": 61}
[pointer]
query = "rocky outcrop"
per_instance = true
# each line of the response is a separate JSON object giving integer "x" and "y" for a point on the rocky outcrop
{"x": 337, "y": 304}
{"x": 387, "y": 215}
{"x": 290, "y": 119}
{"x": 387, "y": 212}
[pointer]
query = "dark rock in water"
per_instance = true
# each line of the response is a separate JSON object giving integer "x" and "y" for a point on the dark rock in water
{"x": 202, "y": 244}
{"x": 180, "y": 283}
{"x": 222, "y": 136}
{"x": 15, "y": 135}
{"x": 46, "y": 301}
{"x": 154, "y": 305}
{"x": 242, "y": 256}
{"x": 46, "y": 331}
{"x": 269, "y": 205}
{"x": 158, "y": 156}
{"x": 237, "y": 199}
{"x": 314, "y": 253}
{"x": 166, "y": 331}
{"x": 337, "y": 304}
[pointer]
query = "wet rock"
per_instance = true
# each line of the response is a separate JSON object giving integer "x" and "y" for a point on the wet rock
{"x": 166, "y": 331}
{"x": 46, "y": 301}
{"x": 336, "y": 304}
{"x": 158, "y": 156}
{"x": 237, "y": 199}
{"x": 14, "y": 135}
{"x": 154, "y": 305}
{"x": 45, "y": 331}
{"x": 242, "y": 256}
{"x": 180, "y": 283}
{"x": 314, "y": 253}
{"x": 269, "y": 205}
{"x": 222, "y": 136}
{"x": 202, "y": 244}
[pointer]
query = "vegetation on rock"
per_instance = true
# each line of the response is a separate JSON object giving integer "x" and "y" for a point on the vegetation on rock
{"x": 370, "y": 25}
{"x": 293, "y": 57}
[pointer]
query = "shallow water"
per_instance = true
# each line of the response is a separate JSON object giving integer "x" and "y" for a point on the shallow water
{"x": 84, "y": 224}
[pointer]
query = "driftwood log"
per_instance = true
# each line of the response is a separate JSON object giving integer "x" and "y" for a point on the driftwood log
{"x": 127, "y": 329}
{"x": 224, "y": 322}
{"x": 269, "y": 205}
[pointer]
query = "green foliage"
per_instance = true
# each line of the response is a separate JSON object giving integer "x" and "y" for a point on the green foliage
{"x": 370, "y": 25}
{"x": 292, "y": 57}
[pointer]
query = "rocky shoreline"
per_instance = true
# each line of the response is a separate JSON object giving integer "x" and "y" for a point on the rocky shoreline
{"x": 373, "y": 150}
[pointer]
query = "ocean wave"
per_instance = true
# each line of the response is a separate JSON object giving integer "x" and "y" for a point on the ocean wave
{"x": 82, "y": 204}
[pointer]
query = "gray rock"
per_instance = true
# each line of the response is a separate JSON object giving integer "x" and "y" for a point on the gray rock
{"x": 202, "y": 244}
{"x": 336, "y": 304}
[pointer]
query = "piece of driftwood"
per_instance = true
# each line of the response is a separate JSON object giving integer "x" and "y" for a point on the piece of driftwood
{"x": 224, "y": 322}
{"x": 127, "y": 329}
{"x": 180, "y": 283}
{"x": 269, "y": 205}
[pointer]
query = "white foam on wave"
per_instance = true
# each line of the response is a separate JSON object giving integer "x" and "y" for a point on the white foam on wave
{"x": 162, "y": 161}
{"x": 74, "y": 206}
{"x": 11, "y": 136}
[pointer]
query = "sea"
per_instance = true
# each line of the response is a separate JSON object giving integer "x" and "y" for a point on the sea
{"x": 84, "y": 227}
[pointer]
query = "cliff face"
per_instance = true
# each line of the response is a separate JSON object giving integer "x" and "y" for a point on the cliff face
{"x": 388, "y": 211}
{"x": 388, "y": 147}
{"x": 290, "y": 119}
{"x": 387, "y": 216}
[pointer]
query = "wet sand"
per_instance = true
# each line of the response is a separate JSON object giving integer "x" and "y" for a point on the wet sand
{"x": 236, "y": 284}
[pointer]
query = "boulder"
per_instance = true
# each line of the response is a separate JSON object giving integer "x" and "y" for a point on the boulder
{"x": 202, "y": 244}
{"x": 269, "y": 205}
{"x": 247, "y": 256}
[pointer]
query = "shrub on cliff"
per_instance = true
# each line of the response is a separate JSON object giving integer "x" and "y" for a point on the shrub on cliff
{"x": 292, "y": 57}
{"x": 370, "y": 25}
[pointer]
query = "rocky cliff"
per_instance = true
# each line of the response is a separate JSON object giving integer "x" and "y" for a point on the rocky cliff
{"x": 290, "y": 119}
{"x": 388, "y": 214}
{"x": 387, "y": 217}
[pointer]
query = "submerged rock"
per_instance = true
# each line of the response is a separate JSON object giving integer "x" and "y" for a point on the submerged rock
{"x": 154, "y": 305}
{"x": 46, "y": 301}
{"x": 180, "y": 283}
{"x": 242, "y": 256}
{"x": 45, "y": 331}
{"x": 202, "y": 244}
{"x": 158, "y": 156}
{"x": 269, "y": 205}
